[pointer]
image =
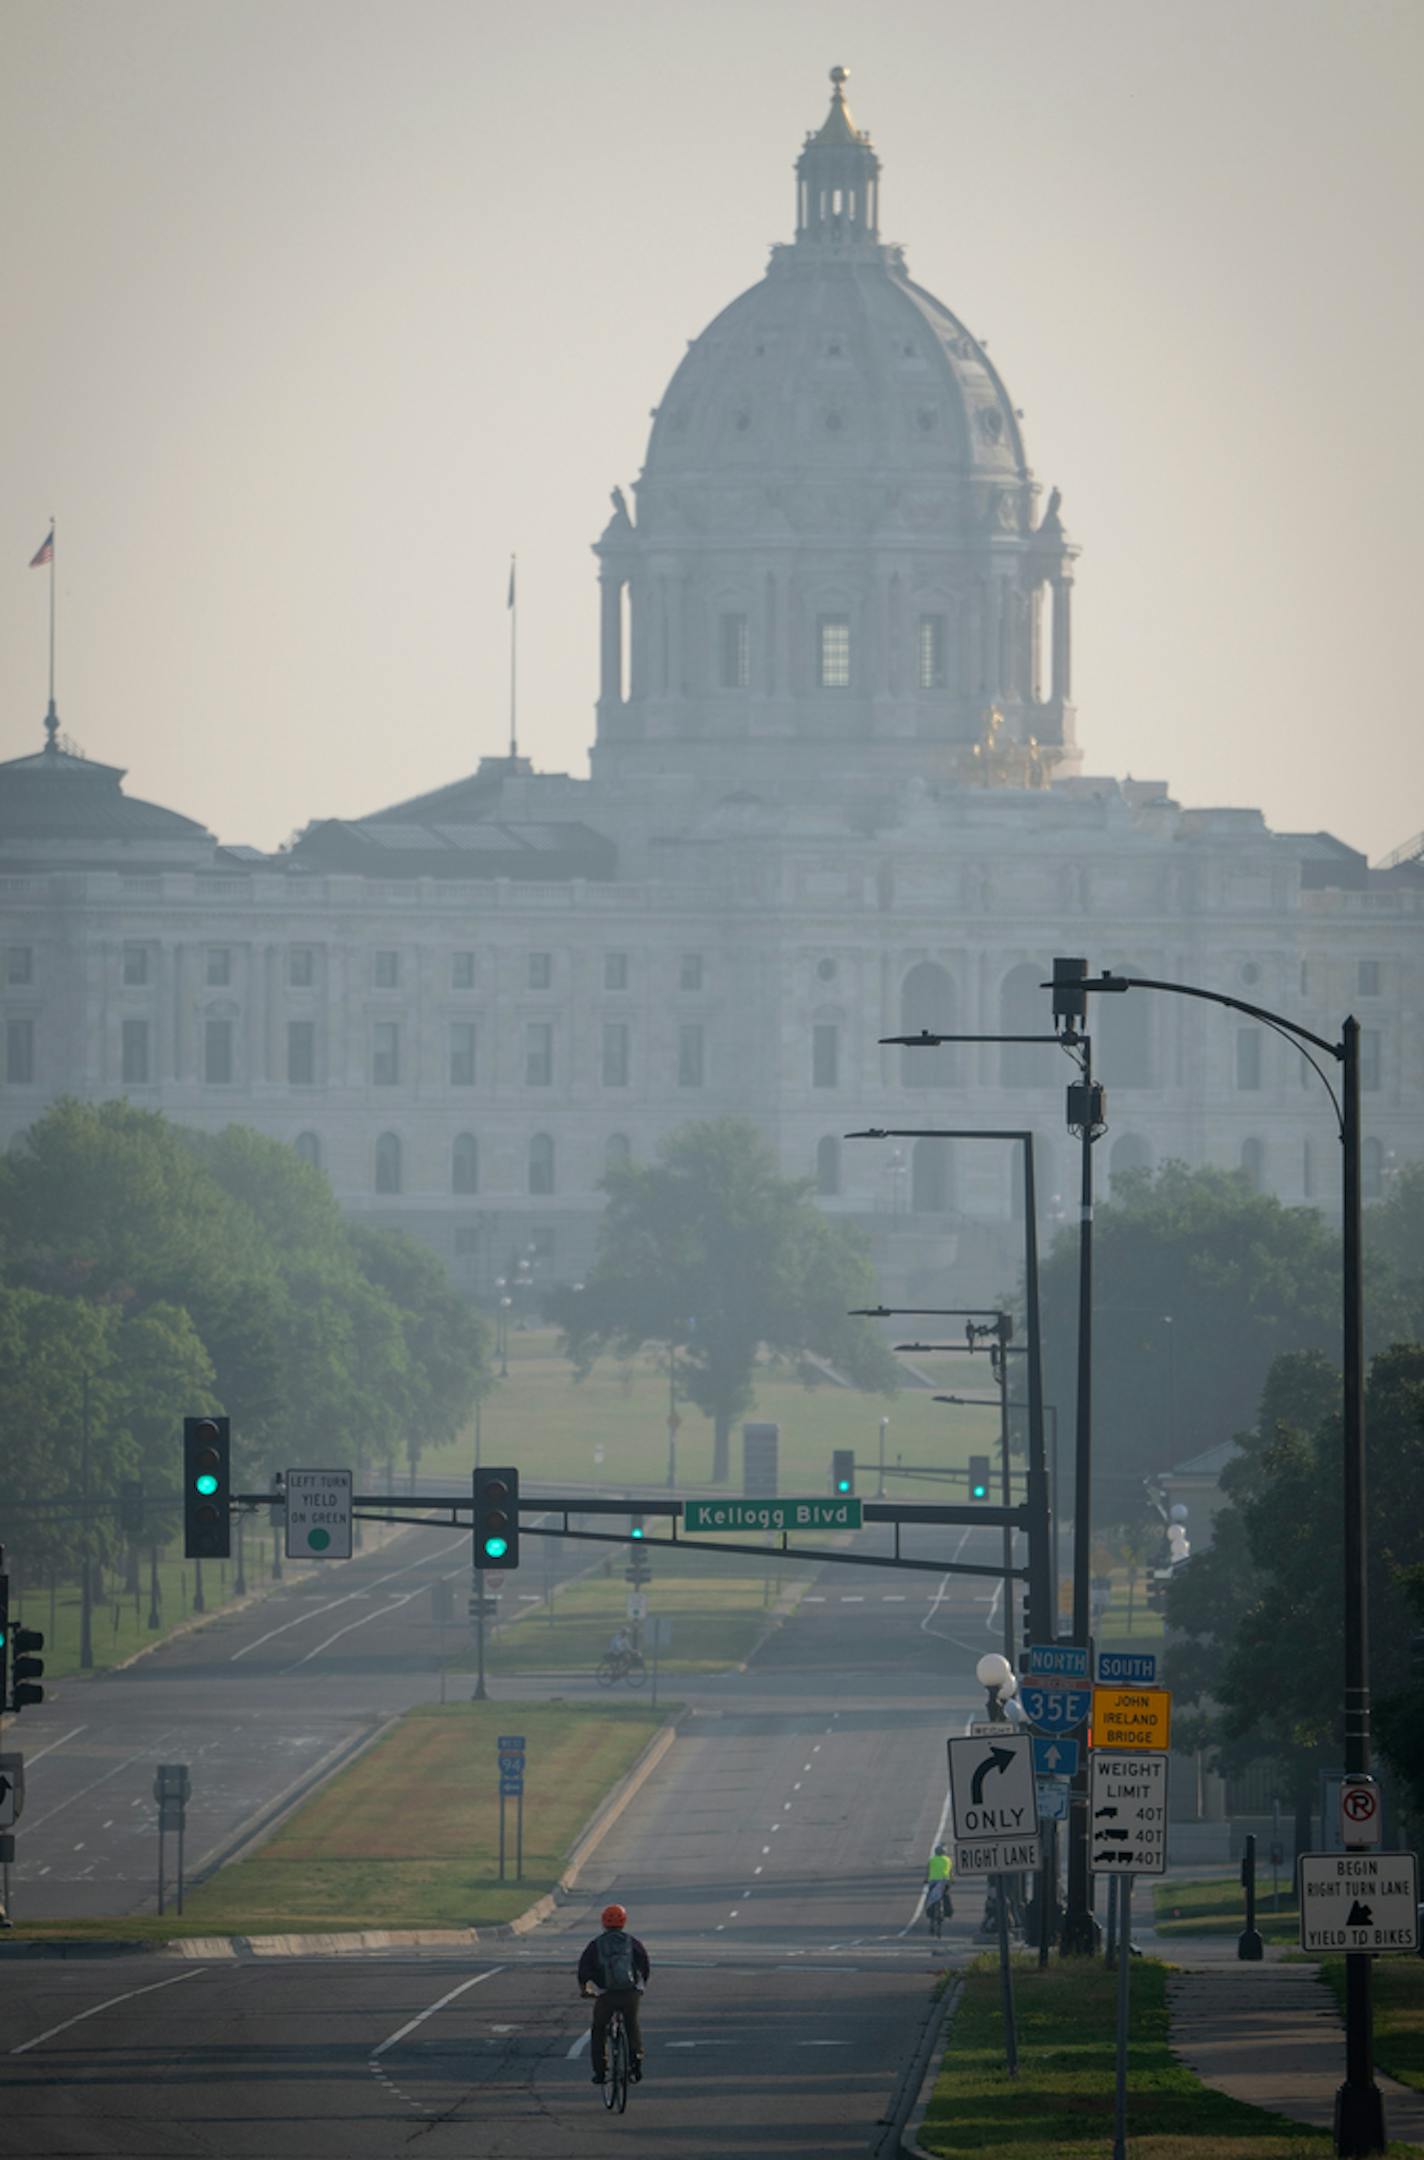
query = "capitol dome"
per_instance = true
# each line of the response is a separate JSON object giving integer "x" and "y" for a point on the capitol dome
{"x": 836, "y": 535}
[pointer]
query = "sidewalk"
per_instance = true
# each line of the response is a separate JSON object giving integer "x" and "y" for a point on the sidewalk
{"x": 1270, "y": 2035}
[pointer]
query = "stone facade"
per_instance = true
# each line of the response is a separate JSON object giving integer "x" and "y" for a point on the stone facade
{"x": 835, "y": 794}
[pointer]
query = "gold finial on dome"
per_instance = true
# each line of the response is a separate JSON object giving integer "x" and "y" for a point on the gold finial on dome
{"x": 839, "y": 126}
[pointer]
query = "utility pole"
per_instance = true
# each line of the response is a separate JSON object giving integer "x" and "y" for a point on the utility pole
{"x": 86, "y": 1581}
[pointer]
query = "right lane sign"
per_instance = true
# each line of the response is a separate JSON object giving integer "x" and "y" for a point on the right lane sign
{"x": 1359, "y": 1901}
{"x": 991, "y": 1785}
{"x": 1127, "y": 1813}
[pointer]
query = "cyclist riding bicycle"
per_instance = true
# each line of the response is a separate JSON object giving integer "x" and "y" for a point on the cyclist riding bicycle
{"x": 615, "y": 1967}
{"x": 938, "y": 1873}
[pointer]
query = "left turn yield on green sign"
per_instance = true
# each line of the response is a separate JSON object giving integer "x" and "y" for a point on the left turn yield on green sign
{"x": 318, "y": 1514}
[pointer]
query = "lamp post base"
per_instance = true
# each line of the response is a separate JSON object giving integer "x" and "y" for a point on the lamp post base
{"x": 1359, "y": 2118}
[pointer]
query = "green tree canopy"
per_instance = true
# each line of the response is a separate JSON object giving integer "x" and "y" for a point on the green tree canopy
{"x": 710, "y": 1249}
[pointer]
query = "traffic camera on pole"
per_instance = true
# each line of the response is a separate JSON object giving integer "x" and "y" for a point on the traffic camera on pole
{"x": 496, "y": 1512}
{"x": 843, "y": 1472}
{"x": 978, "y": 1477}
{"x": 207, "y": 1488}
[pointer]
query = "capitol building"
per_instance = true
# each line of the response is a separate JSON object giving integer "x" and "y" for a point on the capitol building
{"x": 836, "y": 793}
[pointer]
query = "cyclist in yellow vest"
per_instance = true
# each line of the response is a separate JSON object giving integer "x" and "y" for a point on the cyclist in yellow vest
{"x": 937, "y": 1876}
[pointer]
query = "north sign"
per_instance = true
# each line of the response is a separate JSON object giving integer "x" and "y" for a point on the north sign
{"x": 1068, "y": 1660}
{"x": 318, "y": 1514}
{"x": 1359, "y": 1902}
{"x": 707, "y": 1515}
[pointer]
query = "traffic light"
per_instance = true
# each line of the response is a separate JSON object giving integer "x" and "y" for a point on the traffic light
{"x": 131, "y": 1509}
{"x": 978, "y": 1477}
{"x": 843, "y": 1472}
{"x": 640, "y": 1568}
{"x": 26, "y": 1666}
{"x": 207, "y": 1488}
{"x": 496, "y": 1518}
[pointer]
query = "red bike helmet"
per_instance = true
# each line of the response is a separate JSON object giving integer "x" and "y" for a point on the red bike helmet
{"x": 614, "y": 1916}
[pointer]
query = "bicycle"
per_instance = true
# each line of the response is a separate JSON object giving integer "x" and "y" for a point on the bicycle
{"x": 615, "y": 2085}
{"x": 611, "y": 1669}
{"x": 936, "y": 1914}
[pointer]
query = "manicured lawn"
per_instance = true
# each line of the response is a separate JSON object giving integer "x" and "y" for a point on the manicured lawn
{"x": 409, "y": 1835}
{"x": 1217, "y": 1906}
{"x": 1060, "y": 2107}
{"x": 716, "y": 1620}
{"x": 1399, "y": 2014}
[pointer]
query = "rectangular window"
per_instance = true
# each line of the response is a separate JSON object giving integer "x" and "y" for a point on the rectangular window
{"x": 217, "y": 1053}
{"x": 19, "y": 1052}
{"x": 541, "y": 970}
{"x": 135, "y": 1053}
{"x": 20, "y": 964}
{"x": 690, "y": 1056}
{"x": 1369, "y": 978}
{"x": 825, "y": 1056}
{"x": 833, "y": 652}
{"x": 1370, "y": 1060}
{"x": 301, "y": 967}
{"x": 615, "y": 1053}
{"x": 930, "y": 648}
{"x": 689, "y": 974}
{"x": 385, "y": 970}
{"x": 219, "y": 966}
{"x": 1248, "y": 1058}
{"x": 385, "y": 1053}
{"x": 734, "y": 653}
{"x": 462, "y": 1053}
{"x": 539, "y": 1054}
{"x": 462, "y": 971}
{"x": 135, "y": 966}
{"x": 615, "y": 971}
{"x": 301, "y": 1053}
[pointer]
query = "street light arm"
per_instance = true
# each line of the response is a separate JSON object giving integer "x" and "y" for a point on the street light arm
{"x": 925, "y": 1041}
{"x": 942, "y": 1132}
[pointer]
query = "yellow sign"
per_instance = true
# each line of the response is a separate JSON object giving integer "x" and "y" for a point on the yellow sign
{"x": 1132, "y": 1717}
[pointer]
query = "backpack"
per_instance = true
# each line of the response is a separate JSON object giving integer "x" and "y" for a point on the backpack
{"x": 615, "y": 1959}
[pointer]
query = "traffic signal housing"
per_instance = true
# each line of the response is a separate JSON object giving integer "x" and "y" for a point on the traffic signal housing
{"x": 4, "y": 1640}
{"x": 207, "y": 1488}
{"x": 843, "y": 1472}
{"x": 496, "y": 1513}
{"x": 640, "y": 1566}
{"x": 26, "y": 1667}
{"x": 978, "y": 1477}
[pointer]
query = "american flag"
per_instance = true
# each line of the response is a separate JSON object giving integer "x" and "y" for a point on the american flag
{"x": 44, "y": 553}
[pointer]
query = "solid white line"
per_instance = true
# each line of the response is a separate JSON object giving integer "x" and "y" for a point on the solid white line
{"x": 315, "y": 1612}
{"x": 463, "y": 1988}
{"x": 382, "y": 1613}
{"x": 94, "y": 2008}
{"x": 50, "y": 1747}
{"x": 582, "y": 2042}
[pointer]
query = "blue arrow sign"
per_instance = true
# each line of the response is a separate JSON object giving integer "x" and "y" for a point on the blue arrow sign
{"x": 1054, "y": 1758}
{"x": 1058, "y": 1709}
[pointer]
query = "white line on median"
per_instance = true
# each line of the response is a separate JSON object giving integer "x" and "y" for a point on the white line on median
{"x": 94, "y": 2008}
{"x": 463, "y": 1988}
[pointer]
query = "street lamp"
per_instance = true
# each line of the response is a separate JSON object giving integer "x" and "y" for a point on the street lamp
{"x": 1359, "y": 2109}
{"x": 996, "y": 1675}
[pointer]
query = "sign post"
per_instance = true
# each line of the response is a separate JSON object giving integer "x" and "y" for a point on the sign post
{"x": 511, "y": 1787}
{"x": 995, "y": 1805}
{"x": 318, "y": 1514}
{"x": 171, "y": 1789}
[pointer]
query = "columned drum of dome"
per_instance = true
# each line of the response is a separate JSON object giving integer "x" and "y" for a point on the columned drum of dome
{"x": 837, "y": 544}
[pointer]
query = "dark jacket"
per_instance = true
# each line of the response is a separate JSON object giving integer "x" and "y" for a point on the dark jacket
{"x": 590, "y": 1965}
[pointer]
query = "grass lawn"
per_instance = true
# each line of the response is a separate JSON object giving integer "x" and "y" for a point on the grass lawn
{"x": 716, "y": 1619}
{"x": 612, "y": 1427}
{"x": 1060, "y": 2107}
{"x": 409, "y": 1835}
{"x": 1399, "y": 2014}
{"x": 1217, "y": 1906}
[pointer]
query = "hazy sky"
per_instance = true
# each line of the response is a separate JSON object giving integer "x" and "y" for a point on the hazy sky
{"x": 317, "y": 308}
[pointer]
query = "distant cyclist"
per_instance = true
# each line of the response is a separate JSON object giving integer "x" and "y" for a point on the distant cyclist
{"x": 615, "y": 1967}
{"x": 938, "y": 1873}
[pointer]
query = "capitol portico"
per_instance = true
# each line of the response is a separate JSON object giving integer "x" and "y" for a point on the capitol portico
{"x": 835, "y": 793}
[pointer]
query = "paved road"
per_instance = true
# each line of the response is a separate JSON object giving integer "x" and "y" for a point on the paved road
{"x": 772, "y": 1862}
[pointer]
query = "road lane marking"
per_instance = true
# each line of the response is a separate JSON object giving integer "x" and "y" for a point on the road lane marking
{"x": 462, "y": 1989}
{"x": 94, "y": 2008}
{"x": 757, "y": 1869}
{"x": 50, "y": 1746}
{"x": 766, "y": 1848}
{"x": 398, "y": 1601}
{"x": 855, "y": 1599}
{"x": 139, "y": 1755}
{"x": 315, "y": 1612}
{"x": 890, "y": 1597}
{"x": 581, "y": 2043}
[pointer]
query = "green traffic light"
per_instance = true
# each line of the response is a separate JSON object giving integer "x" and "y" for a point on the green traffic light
{"x": 981, "y": 1492}
{"x": 496, "y": 1548}
{"x": 843, "y": 1484}
{"x": 207, "y": 1485}
{"x": 636, "y": 1533}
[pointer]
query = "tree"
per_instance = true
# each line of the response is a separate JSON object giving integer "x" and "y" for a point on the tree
{"x": 444, "y": 1344}
{"x": 711, "y": 1251}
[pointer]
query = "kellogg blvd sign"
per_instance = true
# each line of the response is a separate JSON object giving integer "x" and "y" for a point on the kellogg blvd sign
{"x": 771, "y": 1515}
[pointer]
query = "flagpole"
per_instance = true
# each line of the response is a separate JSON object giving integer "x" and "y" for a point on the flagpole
{"x": 513, "y": 662}
{"x": 51, "y": 613}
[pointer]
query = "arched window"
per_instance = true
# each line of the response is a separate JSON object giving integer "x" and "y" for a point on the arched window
{"x": 1024, "y": 1009}
{"x": 465, "y": 1164}
{"x": 828, "y": 1166}
{"x": 1122, "y": 1033}
{"x": 388, "y": 1163}
{"x": 308, "y": 1146}
{"x": 541, "y": 1163}
{"x": 617, "y": 1152}
{"x": 927, "y": 1002}
{"x": 1253, "y": 1162}
{"x": 929, "y": 1177}
{"x": 1371, "y": 1170}
{"x": 1130, "y": 1152}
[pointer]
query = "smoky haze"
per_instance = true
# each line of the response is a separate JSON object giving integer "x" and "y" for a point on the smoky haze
{"x": 319, "y": 309}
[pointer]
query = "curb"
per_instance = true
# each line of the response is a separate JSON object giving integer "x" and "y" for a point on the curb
{"x": 908, "y": 2145}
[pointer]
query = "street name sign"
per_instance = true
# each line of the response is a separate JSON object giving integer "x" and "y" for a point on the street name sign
{"x": 1054, "y": 1701}
{"x": 1126, "y": 1668}
{"x": 1360, "y": 1811}
{"x": 1069, "y": 1660}
{"x": 1127, "y": 1813}
{"x": 1134, "y": 1718}
{"x": 1053, "y": 1757}
{"x": 12, "y": 1790}
{"x": 318, "y": 1514}
{"x": 995, "y": 1805}
{"x": 771, "y": 1515}
{"x": 1359, "y": 1901}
